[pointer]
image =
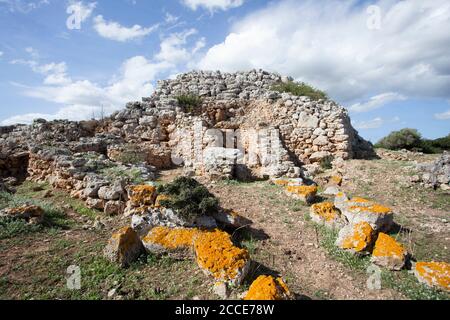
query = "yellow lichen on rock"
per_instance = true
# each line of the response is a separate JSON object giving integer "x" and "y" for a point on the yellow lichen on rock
{"x": 433, "y": 274}
{"x": 268, "y": 288}
{"x": 217, "y": 255}
{"x": 389, "y": 253}
{"x": 357, "y": 238}
{"x": 325, "y": 210}
{"x": 124, "y": 246}
{"x": 374, "y": 208}
{"x": 387, "y": 246}
{"x": 142, "y": 195}
{"x": 336, "y": 180}
{"x": 281, "y": 182}
{"x": 304, "y": 193}
{"x": 171, "y": 238}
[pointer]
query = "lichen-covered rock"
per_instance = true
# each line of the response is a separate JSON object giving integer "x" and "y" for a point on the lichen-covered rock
{"x": 433, "y": 274}
{"x": 284, "y": 182}
{"x": 357, "y": 209}
{"x": 357, "y": 238}
{"x": 30, "y": 213}
{"x": 268, "y": 288}
{"x": 327, "y": 214}
{"x": 303, "y": 193}
{"x": 164, "y": 239}
{"x": 142, "y": 195}
{"x": 217, "y": 256}
{"x": 389, "y": 253}
{"x": 124, "y": 247}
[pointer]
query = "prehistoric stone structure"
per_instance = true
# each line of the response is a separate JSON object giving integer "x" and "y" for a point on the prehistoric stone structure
{"x": 241, "y": 128}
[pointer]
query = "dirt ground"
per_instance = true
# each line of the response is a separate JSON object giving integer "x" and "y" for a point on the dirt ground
{"x": 281, "y": 240}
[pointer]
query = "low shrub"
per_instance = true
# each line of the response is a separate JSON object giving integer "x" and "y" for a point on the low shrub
{"x": 404, "y": 139}
{"x": 300, "y": 89}
{"x": 189, "y": 198}
{"x": 189, "y": 102}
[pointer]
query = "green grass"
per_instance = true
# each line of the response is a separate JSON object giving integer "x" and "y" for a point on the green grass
{"x": 406, "y": 283}
{"x": 54, "y": 219}
{"x": 132, "y": 175}
{"x": 300, "y": 89}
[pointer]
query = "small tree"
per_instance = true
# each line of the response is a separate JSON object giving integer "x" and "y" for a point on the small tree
{"x": 404, "y": 139}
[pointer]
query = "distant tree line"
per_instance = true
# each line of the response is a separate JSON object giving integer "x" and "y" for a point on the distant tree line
{"x": 411, "y": 139}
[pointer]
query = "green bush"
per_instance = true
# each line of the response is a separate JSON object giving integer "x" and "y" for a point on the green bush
{"x": 327, "y": 163}
{"x": 300, "y": 89}
{"x": 189, "y": 198}
{"x": 189, "y": 102}
{"x": 435, "y": 146}
{"x": 411, "y": 139}
{"x": 404, "y": 139}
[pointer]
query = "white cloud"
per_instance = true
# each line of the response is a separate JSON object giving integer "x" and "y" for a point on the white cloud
{"x": 173, "y": 48}
{"x": 213, "y": 5}
{"x": 375, "y": 123}
{"x": 80, "y": 99}
{"x": 22, "y": 6}
{"x": 114, "y": 31}
{"x": 329, "y": 45}
{"x": 443, "y": 116}
{"x": 170, "y": 18}
{"x": 83, "y": 11}
{"x": 376, "y": 102}
{"x": 1, "y": 54}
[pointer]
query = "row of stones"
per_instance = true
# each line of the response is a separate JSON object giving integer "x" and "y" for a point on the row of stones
{"x": 363, "y": 226}
{"x": 212, "y": 248}
{"x": 82, "y": 175}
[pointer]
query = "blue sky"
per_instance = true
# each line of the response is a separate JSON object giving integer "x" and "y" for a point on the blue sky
{"x": 387, "y": 61}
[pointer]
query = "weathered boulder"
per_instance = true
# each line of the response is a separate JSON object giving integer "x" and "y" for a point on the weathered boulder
{"x": 116, "y": 191}
{"x": 217, "y": 256}
{"x": 124, "y": 247}
{"x": 357, "y": 209}
{"x": 356, "y": 238}
{"x": 306, "y": 194}
{"x": 389, "y": 253}
{"x": 327, "y": 214}
{"x": 268, "y": 288}
{"x": 433, "y": 274}
{"x": 163, "y": 239}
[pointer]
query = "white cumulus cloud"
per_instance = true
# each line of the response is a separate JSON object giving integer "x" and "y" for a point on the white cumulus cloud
{"x": 213, "y": 5}
{"x": 114, "y": 31}
{"x": 376, "y": 102}
{"x": 443, "y": 116}
{"x": 328, "y": 44}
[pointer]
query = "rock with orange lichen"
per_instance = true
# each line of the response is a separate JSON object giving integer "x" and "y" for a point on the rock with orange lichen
{"x": 217, "y": 256}
{"x": 284, "y": 182}
{"x": 357, "y": 238}
{"x": 164, "y": 239}
{"x": 124, "y": 247}
{"x": 268, "y": 288}
{"x": 327, "y": 214}
{"x": 30, "y": 213}
{"x": 303, "y": 193}
{"x": 142, "y": 195}
{"x": 335, "y": 180}
{"x": 357, "y": 209}
{"x": 433, "y": 274}
{"x": 389, "y": 253}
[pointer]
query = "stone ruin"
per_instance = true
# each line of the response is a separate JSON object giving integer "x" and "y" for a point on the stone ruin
{"x": 241, "y": 129}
